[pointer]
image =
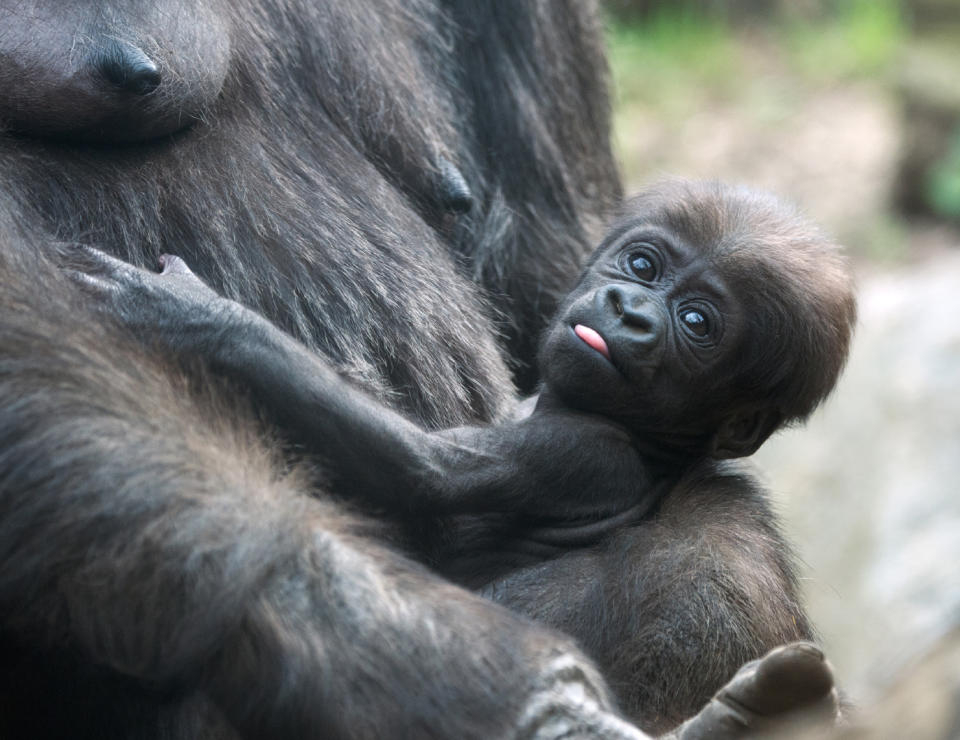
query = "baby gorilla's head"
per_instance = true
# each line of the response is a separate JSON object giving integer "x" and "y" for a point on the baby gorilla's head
{"x": 709, "y": 316}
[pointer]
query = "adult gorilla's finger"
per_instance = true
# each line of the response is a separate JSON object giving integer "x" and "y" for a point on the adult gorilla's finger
{"x": 791, "y": 686}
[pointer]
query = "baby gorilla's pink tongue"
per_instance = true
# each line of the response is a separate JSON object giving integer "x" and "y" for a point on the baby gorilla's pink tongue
{"x": 592, "y": 338}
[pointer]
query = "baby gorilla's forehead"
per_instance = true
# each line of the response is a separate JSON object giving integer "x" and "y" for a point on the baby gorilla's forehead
{"x": 713, "y": 216}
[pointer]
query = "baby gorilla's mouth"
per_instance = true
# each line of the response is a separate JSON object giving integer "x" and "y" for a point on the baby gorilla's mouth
{"x": 592, "y": 339}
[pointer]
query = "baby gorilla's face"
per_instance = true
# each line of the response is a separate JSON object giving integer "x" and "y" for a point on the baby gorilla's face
{"x": 645, "y": 336}
{"x": 709, "y": 316}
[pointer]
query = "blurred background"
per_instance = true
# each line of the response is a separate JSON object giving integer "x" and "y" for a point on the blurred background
{"x": 852, "y": 109}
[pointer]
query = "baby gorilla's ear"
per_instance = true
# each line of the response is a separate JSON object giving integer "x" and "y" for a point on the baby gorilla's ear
{"x": 742, "y": 433}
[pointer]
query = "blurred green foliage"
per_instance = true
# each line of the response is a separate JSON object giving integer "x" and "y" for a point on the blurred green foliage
{"x": 671, "y": 56}
{"x": 860, "y": 38}
{"x": 943, "y": 182}
{"x": 672, "y": 51}
{"x": 754, "y": 65}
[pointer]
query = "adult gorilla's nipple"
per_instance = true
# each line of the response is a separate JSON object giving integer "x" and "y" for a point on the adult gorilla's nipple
{"x": 455, "y": 195}
{"x": 129, "y": 68}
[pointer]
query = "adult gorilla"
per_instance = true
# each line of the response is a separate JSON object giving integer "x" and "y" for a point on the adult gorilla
{"x": 398, "y": 185}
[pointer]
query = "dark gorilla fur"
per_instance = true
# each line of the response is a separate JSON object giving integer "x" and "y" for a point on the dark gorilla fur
{"x": 165, "y": 574}
{"x": 407, "y": 188}
{"x": 334, "y": 120}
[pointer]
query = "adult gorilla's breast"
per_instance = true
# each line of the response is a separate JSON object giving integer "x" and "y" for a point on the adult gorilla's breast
{"x": 128, "y": 73}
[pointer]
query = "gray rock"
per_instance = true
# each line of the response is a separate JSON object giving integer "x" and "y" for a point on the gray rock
{"x": 870, "y": 488}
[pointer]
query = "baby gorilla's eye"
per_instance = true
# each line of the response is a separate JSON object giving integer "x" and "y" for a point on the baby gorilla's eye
{"x": 643, "y": 267}
{"x": 695, "y": 322}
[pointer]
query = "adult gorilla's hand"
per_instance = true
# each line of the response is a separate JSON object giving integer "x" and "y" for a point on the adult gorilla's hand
{"x": 789, "y": 688}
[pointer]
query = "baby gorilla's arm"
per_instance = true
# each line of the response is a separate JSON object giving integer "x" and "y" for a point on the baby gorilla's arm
{"x": 371, "y": 450}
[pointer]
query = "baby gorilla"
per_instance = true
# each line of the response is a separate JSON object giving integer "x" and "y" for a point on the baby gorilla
{"x": 708, "y": 317}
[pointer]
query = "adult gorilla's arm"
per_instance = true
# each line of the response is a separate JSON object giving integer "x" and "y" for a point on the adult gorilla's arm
{"x": 181, "y": 555}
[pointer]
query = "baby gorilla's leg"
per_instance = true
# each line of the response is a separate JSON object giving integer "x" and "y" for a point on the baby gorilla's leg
{"x": 790, "y": 687}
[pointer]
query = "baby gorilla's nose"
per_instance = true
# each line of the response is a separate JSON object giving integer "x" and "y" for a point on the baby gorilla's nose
{"x": 636, "y": 312}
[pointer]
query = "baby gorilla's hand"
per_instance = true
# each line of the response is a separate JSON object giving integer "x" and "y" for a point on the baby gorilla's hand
{"x": 173, "y": 307}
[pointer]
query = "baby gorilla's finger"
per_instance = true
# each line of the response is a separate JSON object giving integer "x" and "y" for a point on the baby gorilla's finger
{"x": 84, "y": 258}
{"x": 63, "y": 253}
{"x": 77, "y": 257}
{"x": 170, "y": 264}
{"x": 187, "y": 283}
{"x": 91, "y": 284}
{"x": 110, "y": 265}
